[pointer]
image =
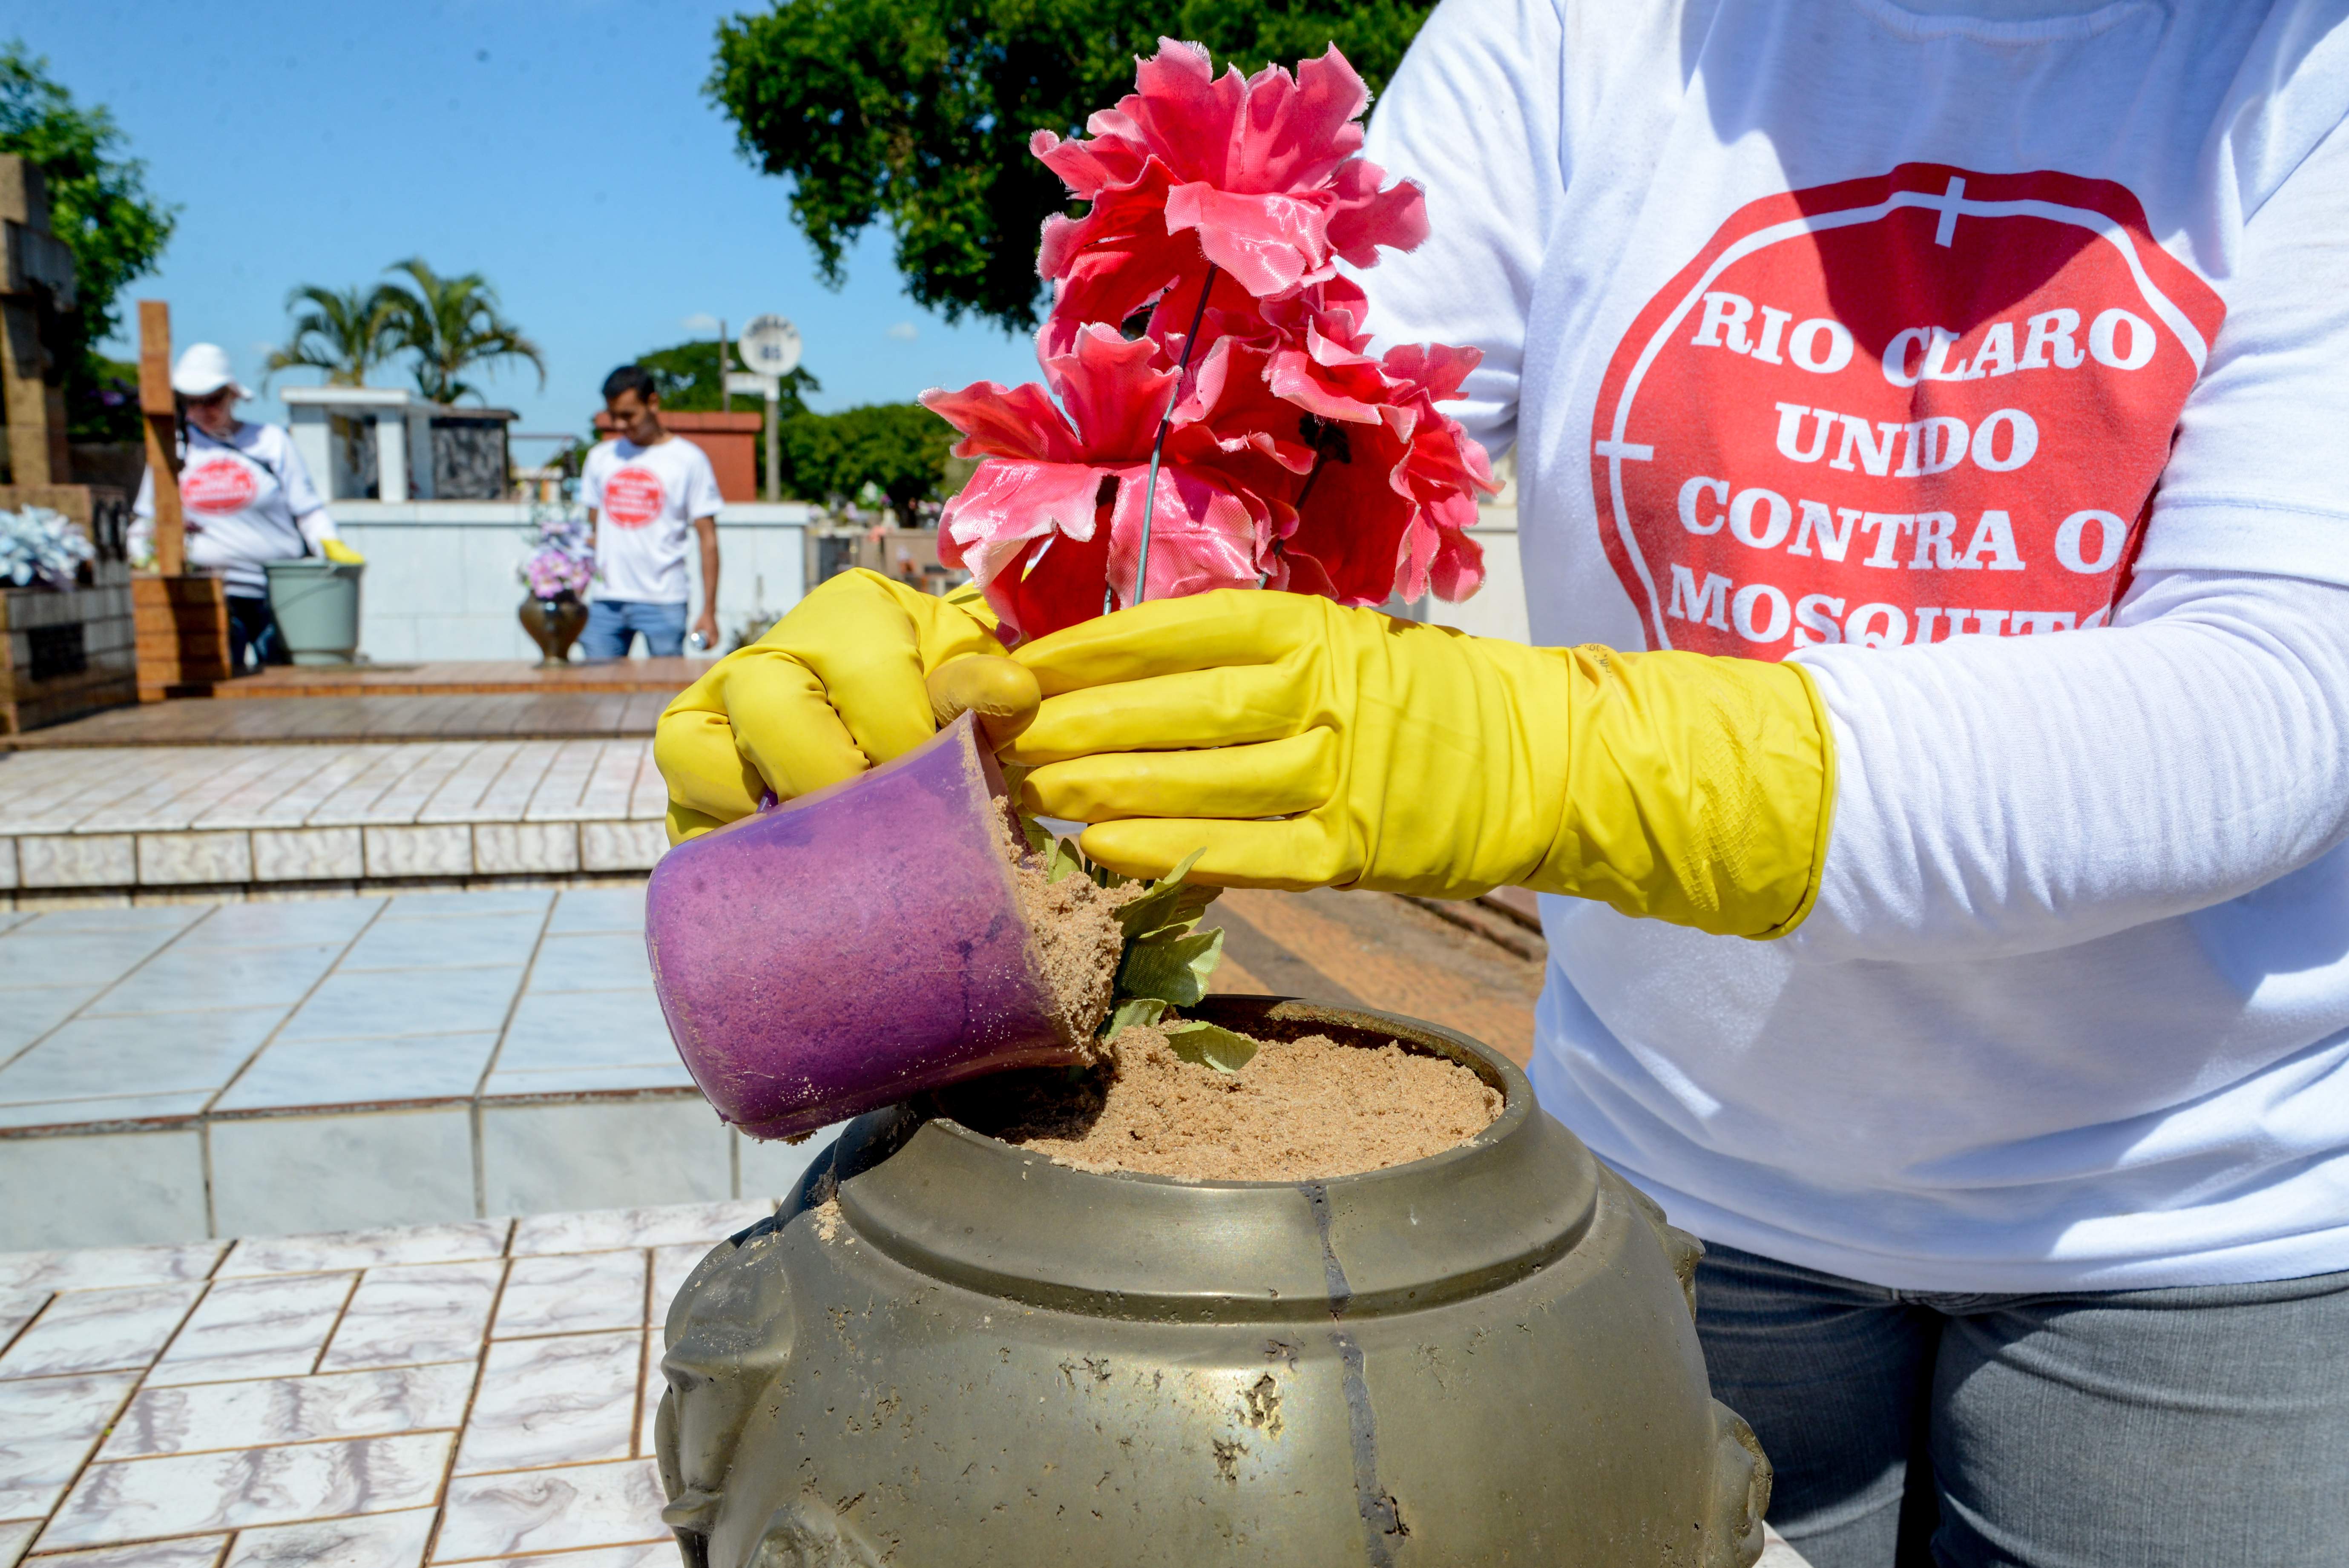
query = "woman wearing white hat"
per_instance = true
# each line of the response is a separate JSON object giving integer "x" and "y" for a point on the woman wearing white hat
{"x": 246, "y": 497}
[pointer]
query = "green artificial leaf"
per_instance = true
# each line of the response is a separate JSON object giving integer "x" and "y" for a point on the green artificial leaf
{"x": 1210, "y": 1045}
{"x": 1155, "y": 908}
{"x": 1133, "y": 1010}
{"x": 1174, "y": 965}
{"x": 1040, "y": 838}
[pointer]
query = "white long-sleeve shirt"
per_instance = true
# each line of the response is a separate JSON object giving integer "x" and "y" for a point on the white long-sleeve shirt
{"x": 246, "y": 501}
{"x": 1998, "y": 370}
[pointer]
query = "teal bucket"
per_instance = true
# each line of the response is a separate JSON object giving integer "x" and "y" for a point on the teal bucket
{"x": 316, "y": 603}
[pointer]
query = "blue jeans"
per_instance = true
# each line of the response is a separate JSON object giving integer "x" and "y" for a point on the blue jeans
{"x": 613, "y": 625}
{"x": 2204, "y": 1427}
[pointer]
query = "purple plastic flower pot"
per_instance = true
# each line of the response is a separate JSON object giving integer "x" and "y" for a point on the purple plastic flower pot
{"x": 851, "y": 947}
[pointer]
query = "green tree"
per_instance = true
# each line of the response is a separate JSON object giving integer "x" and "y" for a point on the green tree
{"x": 100, "y": 207}
{"x": 918, "y": 112}
{"x": 453, "y": 324}
{"x": 899, "y": 448}
{"x": 344, "y": 332}
{"x": 686, "y": 377}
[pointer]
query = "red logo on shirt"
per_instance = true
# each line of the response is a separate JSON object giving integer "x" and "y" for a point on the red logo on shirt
{"x": 218, "y": 486}
{"x": 632, "y": 497}
{"x": 1897, "y": 410}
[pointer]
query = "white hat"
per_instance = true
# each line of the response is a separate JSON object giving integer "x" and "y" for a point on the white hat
{"x": 203, "y": 370}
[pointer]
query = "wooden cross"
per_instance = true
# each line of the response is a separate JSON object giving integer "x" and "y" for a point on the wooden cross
{"x": 162, "y": 420}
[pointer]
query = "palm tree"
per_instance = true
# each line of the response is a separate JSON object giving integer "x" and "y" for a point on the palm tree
{"x": 344, "y": 332}
{"x": 453, "y": 324}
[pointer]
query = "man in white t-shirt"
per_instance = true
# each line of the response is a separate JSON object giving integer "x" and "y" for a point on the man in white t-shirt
{"x": 1942, "y": 403}
{"x": 646, "y": 493}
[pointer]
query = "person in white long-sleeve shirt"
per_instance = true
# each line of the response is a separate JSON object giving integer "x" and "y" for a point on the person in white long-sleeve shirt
{"x": 246, "y": 498}
{"x": 1987, "y": 358}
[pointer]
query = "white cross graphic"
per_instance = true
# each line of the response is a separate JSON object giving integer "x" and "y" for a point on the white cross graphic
{"x": 1947, "y": 205}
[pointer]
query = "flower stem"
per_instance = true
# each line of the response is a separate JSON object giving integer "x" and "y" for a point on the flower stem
{"x": 1158, "y": 445}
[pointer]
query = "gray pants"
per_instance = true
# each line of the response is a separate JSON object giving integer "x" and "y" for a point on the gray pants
{"x": 2197, "y": 1428}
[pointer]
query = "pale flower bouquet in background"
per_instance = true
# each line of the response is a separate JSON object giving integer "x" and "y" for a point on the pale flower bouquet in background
{"x": 41, "y": 547}
{"x": 563, "y": 562}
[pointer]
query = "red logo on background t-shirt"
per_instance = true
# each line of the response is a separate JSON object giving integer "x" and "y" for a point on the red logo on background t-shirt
{"x": 218, "y": 486}
{"x": 632, "y": 497}
{"x": 1897, "y": 410}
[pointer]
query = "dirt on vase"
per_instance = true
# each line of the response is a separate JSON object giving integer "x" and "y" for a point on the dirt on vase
{"x": 1300, "y": 1111}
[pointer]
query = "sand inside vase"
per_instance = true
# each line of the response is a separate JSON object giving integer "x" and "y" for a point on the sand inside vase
{"x": 1078, "y": 940}
{"x": 1300, "y": 1110}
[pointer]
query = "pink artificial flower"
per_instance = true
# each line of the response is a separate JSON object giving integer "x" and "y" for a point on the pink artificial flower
{"x": 1054, "y": 516}
{"x": 1259, "y": 178}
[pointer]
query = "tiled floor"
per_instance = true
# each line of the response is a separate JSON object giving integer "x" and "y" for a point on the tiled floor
{"x": 444, "y": 1393}
{"x": 178, "y": 1071}
{"x": 163, "y": 816}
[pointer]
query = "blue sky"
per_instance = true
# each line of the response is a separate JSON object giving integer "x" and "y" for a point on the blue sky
{"x": 561, "y": 148}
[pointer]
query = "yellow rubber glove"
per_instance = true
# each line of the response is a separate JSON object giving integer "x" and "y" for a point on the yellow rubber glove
{"x": 860, "y": 671}
{"x": 1418, "y": 760}
{"x": 341, "y": 554}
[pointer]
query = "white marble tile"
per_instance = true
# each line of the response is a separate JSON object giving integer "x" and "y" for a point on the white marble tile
{"x": 671, "y": 1265}
{"x": 203, "y": 1416}
{"x": 217, "y": 856}
{"x": 504, "y": 1085}
{"x": 592, "y": 961}
{"x": 28, "y": 1012}
{"x": 633, "y": 846}
{"x": 551, "y": 1511}
{"x": 161, "y": 919}
{"x": 113, "y": 1111}
{"x": 403, "y": 1068}
{"x": 600, "y": 1230}
{"x": 77, "y": 859}
{"x": 102, "y": 1190}
{"x": 572, "y": 1294}
{"x": 272, "y": 1326}
{"x": 648, "y": 1392}
{"x": 415, "y": 1313}
{"x": 147, "y": 1053}
{"x": 509, "y": 849}
{"x": 307, "y": 854}
{"x": 370, "y": 1540}
{"x": 588, "y": 1029}
{"x": 186, "y": 1552}
{"x": 383, "y": 1001}
{"x": 540, "y": 1158}
{"x": 599, "y": 909}
{"x": 276, "y": 925}
{"x": 235, "y": 1488}
{"x": 183, "y": 979}
{"x": 475, "y": 900}
{"x": 570, "y": 1399}
{"x": 96, "y": 1268}
{"x": 418, "y": 852}
{"x": 641, "y": 1554}
{"x": 99, "y": 1330}
{"x": 15, "y": 1536}
{"x": 42, "y": 955}
{"x": 459, "y": 1241}
{"x": 19, "y": 1307}
{"x": 47, "y": 1426}
{"x": 452, "y": 941}
{"x": 370, "y": 1166}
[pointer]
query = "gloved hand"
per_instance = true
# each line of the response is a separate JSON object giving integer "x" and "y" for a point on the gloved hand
{"x": 1417, "y": 759}
{"x": 860, "y": 671}
{"x": 341, "y": 554}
